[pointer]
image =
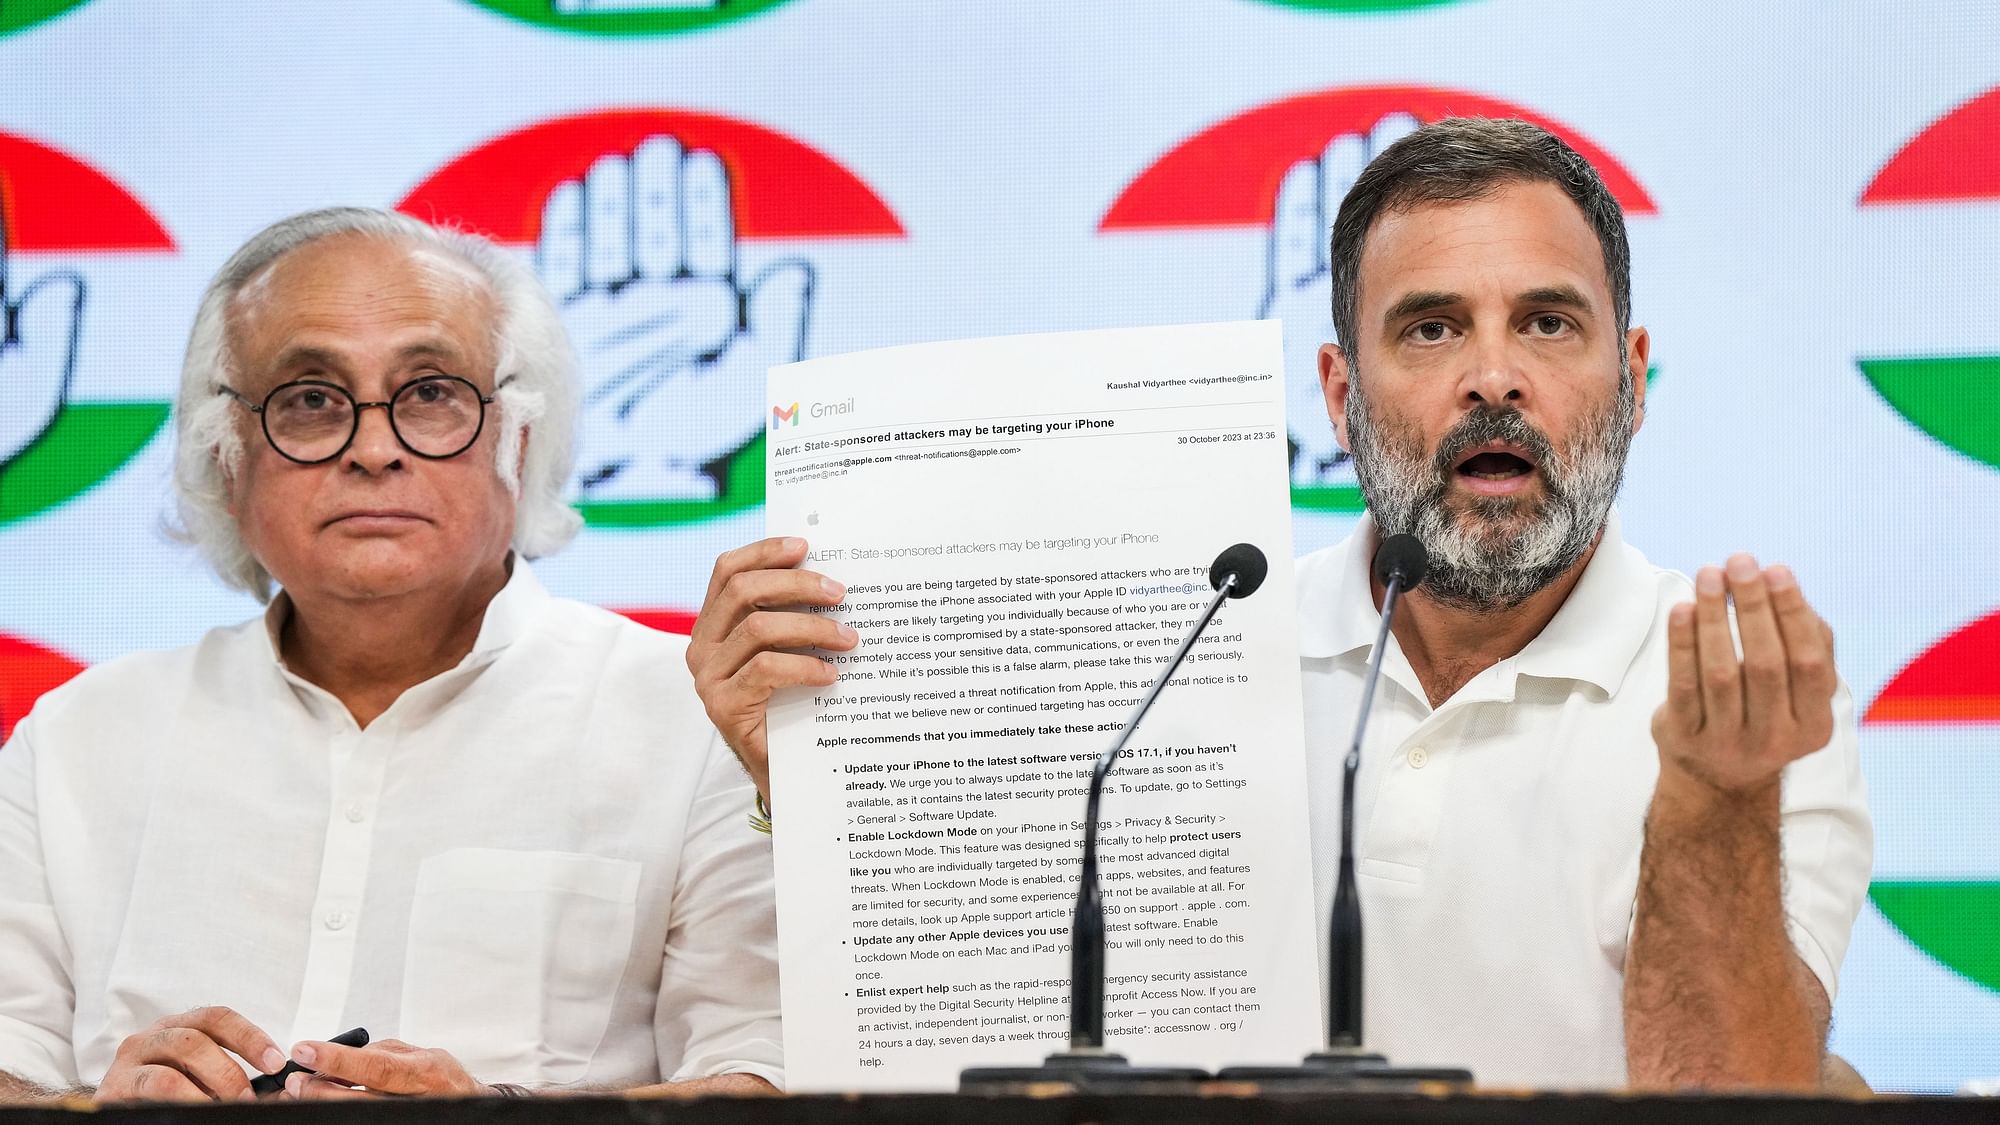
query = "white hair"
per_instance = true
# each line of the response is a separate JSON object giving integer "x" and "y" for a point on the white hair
{"x": 535, "y": 364}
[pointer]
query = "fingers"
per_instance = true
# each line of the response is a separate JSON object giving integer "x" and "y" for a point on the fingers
{"x": 607, "y": 222}
{"x": 777, "y": 311}
{"x": 656, "y": 207}
{"x": 183, "y": 1058}
{"x": 233, "y": 1030}
{"x": 1339, "y": 166}
{"x": 151, "y": 1083}
{"x": 1683, "y": 704}
{"x": 313, "y": 1088}
{"x": 1391, "y": 128}
{"x": 776, "y": 553}
{"x": 197, "y": 1056}
{"x": 708, "y": 224}
{"x": 774, "y": 630}
{"x": 1767, "y": 696}
{"x": 768, "y": 672}
{"x": 1296, "y": 227}
{"x": 382, "y": 1071}
{"x": 1721, "y": 674}
{"x": 1808, "y": 648}
{"x": 559, "y": 253}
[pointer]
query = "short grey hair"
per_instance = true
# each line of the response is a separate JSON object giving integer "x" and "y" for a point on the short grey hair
{"x": 534, "y": 361}
{"x": 1465, "y": 158}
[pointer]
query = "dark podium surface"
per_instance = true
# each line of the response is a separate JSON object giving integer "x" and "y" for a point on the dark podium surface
{"x": 895, "y": 1109}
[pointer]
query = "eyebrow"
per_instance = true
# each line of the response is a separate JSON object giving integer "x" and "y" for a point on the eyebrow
{"x": 1568, "y": 296}
{"x": 1421, "y": 301}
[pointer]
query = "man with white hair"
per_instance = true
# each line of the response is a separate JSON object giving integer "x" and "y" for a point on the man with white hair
{"x": 418, "y": 795}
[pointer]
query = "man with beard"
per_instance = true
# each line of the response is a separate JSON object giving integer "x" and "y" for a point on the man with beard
{"x": 1573, "y": 797}
{"x": 1596, "y": 846}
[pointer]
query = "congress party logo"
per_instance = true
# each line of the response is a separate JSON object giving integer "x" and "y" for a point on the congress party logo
{"x": 1283, "y": 168}
{"x": 62, "y": 225}
{"x": 18, "y": 14}
{"x": 1954, "y": 398}
{"x": 677, "y": 245}
{"x": 1933, "y": 743}
{"x": 628, "y": 17}
{"x": 27, "y": 671}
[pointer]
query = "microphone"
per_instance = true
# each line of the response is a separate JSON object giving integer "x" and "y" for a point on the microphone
{"x": 1400, "y": 565}
{"x": 1236, "y": 573}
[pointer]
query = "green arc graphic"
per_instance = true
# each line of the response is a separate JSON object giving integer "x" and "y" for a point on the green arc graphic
{"x": 1952, "y": 920}
{"x": 620, "y": 18}
{"x": 1955, "y": 399}
{"x": 89, "y": 442}
{"x": 742, "y": 487}
{"x": 18, "y": 14}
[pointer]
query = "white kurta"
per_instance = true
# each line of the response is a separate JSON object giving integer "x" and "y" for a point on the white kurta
{"x": 1498, "y": 836}
{"x": 538, "y": 860}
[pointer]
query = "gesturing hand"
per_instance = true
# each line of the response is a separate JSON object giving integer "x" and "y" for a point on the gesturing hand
{"x": 641, "y": 256}
{"x": 187, "y": 1058}
{"x": 386, "y": 1067}
{"x": 744, "y": 645}
{"x": 38, "y": 335}
{"x": 1734, "y": 724}
{"x": 1300, "y": 278}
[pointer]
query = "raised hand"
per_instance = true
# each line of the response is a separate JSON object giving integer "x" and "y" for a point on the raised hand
{"x": 641, "y": 256}
{"x": 1733, "y": 723}
{"x": 190, "y": 1057}
{"x": 1298, "y": 288}
{"x": 38, "y": 337}
{"x": 746, "y": 643}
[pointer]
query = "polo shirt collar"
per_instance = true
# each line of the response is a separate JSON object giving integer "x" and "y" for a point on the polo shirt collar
{"x": 1594, "y": 637}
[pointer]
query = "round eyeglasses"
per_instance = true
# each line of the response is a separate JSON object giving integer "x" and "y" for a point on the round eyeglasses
{"x": 311, "y": 421}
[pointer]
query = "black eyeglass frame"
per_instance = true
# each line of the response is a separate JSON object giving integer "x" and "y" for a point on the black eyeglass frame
{"x": 354, "y": 429}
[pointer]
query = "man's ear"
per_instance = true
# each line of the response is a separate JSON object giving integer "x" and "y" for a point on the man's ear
{"x": 228, "y": 484}
{"x": 1335, "y": 382}
{"x": 1638, "y": 352}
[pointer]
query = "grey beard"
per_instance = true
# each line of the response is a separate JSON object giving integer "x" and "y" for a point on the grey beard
{"x": 1495, "y": 552}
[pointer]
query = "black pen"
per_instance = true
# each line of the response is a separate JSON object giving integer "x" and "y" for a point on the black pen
{"x": 275, "y": 1083}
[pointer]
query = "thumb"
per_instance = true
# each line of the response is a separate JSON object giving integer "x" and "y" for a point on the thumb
{"x": 36, "y": 356}
{"x": 777, "y": 309}
{"x": 45, "y": 327}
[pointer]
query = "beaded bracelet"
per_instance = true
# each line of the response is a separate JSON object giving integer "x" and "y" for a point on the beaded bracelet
{"x": 760, "y": 820}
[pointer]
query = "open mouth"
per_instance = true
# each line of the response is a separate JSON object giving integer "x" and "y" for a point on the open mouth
{"x": 1495, "y": 464}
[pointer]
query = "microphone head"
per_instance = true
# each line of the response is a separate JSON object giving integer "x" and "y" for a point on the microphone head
{"x": 1247, "y": 563}
{"x": 1404, "y": 557}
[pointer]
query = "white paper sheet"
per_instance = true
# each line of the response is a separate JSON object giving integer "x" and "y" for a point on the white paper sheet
{"x": 1025, "y": 525}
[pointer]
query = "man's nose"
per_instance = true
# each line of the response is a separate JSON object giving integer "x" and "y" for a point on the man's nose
{"x": 375, "y": 447}
{"x": 1496, "y": 377}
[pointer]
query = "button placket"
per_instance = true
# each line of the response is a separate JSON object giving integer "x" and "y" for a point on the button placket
{"x": 358, "y": 764}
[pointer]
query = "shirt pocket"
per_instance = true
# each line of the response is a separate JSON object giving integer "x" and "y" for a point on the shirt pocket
{"x": 515, "y": 958}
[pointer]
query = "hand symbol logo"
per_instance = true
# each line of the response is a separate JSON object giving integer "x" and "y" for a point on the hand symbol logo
{"x": 641, "y": 255}
{"x": 1299, "y": 289}
{"x": 38, "y": 337}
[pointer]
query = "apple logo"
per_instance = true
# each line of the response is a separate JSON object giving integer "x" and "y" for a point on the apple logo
{"x": 812, "y": 519}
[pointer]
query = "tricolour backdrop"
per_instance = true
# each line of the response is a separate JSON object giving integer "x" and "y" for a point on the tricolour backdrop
{"x": 1813, "y": 191}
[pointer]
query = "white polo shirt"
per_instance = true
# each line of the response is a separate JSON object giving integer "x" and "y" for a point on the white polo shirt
{"x": 1498, "y": 836}
{"x": 538, "y": 860}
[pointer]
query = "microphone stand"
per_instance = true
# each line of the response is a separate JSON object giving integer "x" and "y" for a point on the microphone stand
{"x": 1086, "y": 1065}
{"x": 1343, "y": 1064}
